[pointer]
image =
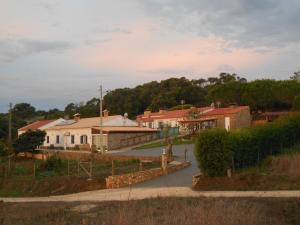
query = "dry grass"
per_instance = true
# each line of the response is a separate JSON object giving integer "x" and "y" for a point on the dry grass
{"x": 276, "y": 173}
{"x": 288, "y": 165}
{"x": 163, "y": 211}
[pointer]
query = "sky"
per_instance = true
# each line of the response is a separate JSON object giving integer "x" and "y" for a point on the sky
{"x": 53, "y": 52}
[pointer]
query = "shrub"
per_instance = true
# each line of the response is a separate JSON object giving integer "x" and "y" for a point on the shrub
{"x": 29, "y": 141}
{"x": 296, "y": 103}
{"x": 211, "y": 152}
{"x": 53, "y": 163}
{"x": 247, "y": 147}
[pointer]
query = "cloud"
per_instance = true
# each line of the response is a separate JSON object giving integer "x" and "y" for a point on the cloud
{"x": 243, "y": 23}
{"x": 11, "y": 49}
{"x": 94, "y": 41}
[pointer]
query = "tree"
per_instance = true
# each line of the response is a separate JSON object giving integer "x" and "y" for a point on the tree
{"x": 3, "y": 148}
{"x": 296, "y": 103}
{"x": 23, "y": 111}
{"x": 29, "y": 141}
{"x": 296, "y": 76}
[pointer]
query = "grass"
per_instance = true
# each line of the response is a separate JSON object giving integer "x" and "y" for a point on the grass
{"x": 176, "y": 141}
{"x": 163, "y": 211}
{"x": 57, "y": 176}
{"x": 281, "y": 172}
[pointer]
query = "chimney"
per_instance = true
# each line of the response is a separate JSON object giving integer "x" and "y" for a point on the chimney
{"x": 76, "y": 117}
{"x": 105, "y": 113}
{"x": 147, "y": 113}
{"x": 161, "y": 111}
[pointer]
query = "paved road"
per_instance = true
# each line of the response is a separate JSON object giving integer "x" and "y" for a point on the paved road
{"x": 182, "y": 178}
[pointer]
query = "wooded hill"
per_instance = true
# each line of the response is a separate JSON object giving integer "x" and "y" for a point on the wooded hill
{"x": 224, "y": 90}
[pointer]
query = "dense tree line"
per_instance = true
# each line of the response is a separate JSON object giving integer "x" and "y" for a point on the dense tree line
{"x": 223, "y": 90}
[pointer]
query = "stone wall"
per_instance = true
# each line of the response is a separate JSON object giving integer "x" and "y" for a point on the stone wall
{"x": 124, "y": 180}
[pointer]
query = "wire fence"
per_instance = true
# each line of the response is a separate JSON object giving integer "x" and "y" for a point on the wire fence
{"x": 28, "y": 168}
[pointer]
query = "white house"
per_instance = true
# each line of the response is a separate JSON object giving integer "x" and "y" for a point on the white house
{"x": 84, "y": 133}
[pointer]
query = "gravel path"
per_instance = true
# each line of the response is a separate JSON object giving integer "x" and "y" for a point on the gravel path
{"x": 125, "y": 194}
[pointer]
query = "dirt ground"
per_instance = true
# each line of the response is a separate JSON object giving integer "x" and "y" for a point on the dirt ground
{"x": 49, "y": 186}
{"x": 175, "y": 211}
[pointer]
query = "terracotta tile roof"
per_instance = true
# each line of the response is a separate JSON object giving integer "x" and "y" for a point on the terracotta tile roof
{"x": 169, "y": 114}
{"x": 95, "y": 130}
{"x": 36, "y": 125}
{"x": 229, "y": 110}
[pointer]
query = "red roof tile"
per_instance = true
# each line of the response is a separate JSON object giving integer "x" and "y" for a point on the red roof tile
{"x": 168, "y": 114}
{"x": 36, "y": 125}
{"x": 229, "y": 110}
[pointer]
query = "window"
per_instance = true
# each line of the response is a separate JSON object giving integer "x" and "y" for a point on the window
{"x": 150, "y": 125}
{"x": 47, "y": 139}
{"x": 57, "y": 139}
{"x": 83, "y": 139}
{"x": 72, "y": 139}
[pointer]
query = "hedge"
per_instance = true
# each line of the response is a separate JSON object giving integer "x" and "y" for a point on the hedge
{"x": 211, "y": 152}
{"x": 246, "y": 147}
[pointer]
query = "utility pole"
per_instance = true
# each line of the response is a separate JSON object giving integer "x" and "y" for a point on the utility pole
{"x": 9, "y": 127}
{"x": 101, "y": 121}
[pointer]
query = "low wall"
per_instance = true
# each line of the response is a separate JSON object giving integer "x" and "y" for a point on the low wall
{"x": 85, "y": 156}
{"x": 124, "y": 180}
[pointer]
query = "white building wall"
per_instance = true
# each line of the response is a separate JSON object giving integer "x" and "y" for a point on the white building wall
{"x": 66, "y": 140}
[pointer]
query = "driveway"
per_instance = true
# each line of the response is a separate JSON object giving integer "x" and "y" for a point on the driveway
{"x": 181, "y": 178}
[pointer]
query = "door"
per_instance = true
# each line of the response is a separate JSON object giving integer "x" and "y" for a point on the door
{"x": 227, "y": 123}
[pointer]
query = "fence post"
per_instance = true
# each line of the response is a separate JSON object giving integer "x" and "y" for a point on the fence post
{"x": 78, "y": 168}
{"x": 9, "y": 166}
{"x": 68, "y": 167}
{"x": 91, "y": 168}
{"x": 112, "y": 168}
{"x": 34, "y": 169}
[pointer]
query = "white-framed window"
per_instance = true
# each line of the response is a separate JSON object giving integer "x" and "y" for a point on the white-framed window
{"x": 150, "y": 125}
{"x": 83, "y": 139}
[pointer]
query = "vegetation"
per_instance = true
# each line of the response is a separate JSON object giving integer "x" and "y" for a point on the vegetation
{"x": 223, "y": 90}
{"x": 29, "y": 177}
{"x": 247, "y": 147}
{"x": 281, "y": 172}
{"x": 29, "y": 141}
{"x": 296, "y": 103}
{"x": 211, "y": 152}
{"x": 163, "y": 211}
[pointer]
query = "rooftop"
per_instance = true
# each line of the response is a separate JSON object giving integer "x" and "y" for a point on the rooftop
{"x": 36, "y": 125}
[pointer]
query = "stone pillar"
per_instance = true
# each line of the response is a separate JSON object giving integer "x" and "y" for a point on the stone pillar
{"x": 164, "y": 162}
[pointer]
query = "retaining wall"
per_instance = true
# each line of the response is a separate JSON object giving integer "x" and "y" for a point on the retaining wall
{"x": 124, "y": 180}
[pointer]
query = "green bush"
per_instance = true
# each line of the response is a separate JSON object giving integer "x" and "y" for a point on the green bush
{"x": 296, "y": 103}
{"x": 53, "y": 163}
{"x": 247, "y": 147}
{"x": 211, "y": 152}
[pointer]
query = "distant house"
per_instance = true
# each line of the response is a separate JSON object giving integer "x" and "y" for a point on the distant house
{"x": 230, "y": 118}
{"x": 194, "y": 119}
{"x": 167, "y": 118}
{"x": 40, "y": 125}
{"x": 84, "y": 133}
